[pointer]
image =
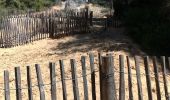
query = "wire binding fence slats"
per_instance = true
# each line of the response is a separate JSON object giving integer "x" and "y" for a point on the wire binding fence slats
{"x": 106, "y": 79}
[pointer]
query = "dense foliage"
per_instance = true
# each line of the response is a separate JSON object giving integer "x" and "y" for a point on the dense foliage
{"x": 24, "y": 4}
{"x": 148, "y": 23}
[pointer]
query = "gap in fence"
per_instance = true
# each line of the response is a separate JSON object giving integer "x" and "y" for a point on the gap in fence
{"x": 23, "y": 28}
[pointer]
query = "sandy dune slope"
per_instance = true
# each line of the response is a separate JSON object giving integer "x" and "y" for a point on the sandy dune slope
{"x": 72, "y": 47}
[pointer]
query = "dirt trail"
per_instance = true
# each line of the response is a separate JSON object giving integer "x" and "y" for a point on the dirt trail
{"x": 72, "y": 47}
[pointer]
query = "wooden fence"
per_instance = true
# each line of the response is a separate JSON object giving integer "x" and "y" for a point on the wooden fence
{"x": 20, "y": 29}
{"x": 109, "y": 90}
{"x": 107, "y": 22}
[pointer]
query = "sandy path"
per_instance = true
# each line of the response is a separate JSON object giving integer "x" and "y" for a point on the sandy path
{"x": 72, "y": 47}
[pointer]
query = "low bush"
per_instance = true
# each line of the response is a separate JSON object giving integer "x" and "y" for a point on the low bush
{"x": 149, "y": 26}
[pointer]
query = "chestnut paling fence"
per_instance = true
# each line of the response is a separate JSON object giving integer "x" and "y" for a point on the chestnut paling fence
{"x": 108, "y": 87}
{"x": 19, "y": 29}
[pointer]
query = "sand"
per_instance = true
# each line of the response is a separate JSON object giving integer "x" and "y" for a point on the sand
{"x": 73, "y": 47}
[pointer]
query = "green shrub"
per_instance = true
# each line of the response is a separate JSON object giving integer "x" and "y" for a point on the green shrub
{"x": 148, "y": 26}
{"x": 25, "y": 4}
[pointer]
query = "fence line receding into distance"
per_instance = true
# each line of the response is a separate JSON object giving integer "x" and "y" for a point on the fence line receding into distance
{"x": 21, "y": 29}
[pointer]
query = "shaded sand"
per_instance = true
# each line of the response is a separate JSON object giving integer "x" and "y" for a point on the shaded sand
{"x": 73, "y": 47}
